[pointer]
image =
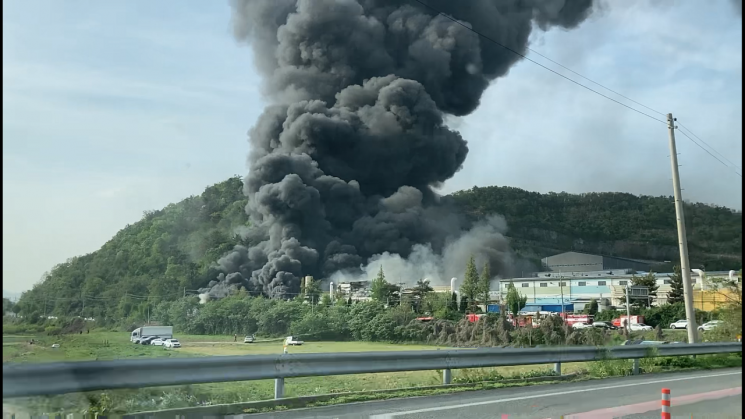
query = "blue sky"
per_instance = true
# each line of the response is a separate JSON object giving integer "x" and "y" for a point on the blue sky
{"x": 111, "y": 109}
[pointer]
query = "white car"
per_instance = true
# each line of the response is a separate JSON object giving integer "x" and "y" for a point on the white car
{"x": 157, "y": 342}
{"x": 293, "y": 341}
{"x": 710, "y": 325}
{"x": 635, "y": 327}
{"x": 680, "y": 324}
{"x": 171, "y": 343}
{"x": 580, "y": 326}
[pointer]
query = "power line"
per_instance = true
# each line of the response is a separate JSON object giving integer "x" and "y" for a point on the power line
{"x": 709, "y": 153}
{"x": 535, "y": 62}
{"x": 708, "y": 145}
{"x": 582, "y": 85}
{"x": 592, "y": 81}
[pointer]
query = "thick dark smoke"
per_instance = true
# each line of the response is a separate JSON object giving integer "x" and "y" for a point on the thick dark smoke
{"x": 343, "y": 165}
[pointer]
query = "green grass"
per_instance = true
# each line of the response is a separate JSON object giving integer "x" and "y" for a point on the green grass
{"x": 115, "y": 345}
{"x": 85, "y": 347}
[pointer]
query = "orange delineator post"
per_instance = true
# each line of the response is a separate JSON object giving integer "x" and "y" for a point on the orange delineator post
{"x": 665, "y": 403}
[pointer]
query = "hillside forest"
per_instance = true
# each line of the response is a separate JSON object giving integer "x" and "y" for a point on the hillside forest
{"x": 171, "y": 252}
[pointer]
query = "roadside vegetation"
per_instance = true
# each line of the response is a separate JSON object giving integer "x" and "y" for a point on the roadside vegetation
{"x": 401, "y": 384}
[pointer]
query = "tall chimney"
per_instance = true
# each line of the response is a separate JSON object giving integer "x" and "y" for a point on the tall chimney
{"x": 331, "y": 290}
{"x": 452, "y": 285}
{"x": 732, "y": 275}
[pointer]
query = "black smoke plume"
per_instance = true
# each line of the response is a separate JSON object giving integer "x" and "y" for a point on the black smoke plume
{"x": 343, "y": 165}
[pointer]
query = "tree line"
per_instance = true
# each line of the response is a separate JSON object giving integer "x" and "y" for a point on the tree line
{"x": 610, "y": 223}
{"x": 171, "y": 252}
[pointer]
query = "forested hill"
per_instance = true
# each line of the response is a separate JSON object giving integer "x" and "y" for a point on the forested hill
{"x": 617, "y": 224}
{"x": 170, "y": 251}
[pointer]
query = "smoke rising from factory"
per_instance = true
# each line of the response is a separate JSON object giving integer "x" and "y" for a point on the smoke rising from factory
{"x": 343, "y": 164}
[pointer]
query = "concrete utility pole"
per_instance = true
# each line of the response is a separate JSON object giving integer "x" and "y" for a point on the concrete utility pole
{"x": 685, "y": 268}
{"x": 628, "y": 309}
{"x": 561, "y": 287}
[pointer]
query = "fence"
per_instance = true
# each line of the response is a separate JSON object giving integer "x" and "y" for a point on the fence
{"x": 21, "y": 380}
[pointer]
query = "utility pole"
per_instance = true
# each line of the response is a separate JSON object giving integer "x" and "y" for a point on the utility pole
{"x": 561, "y": 287}
{"x": 685, "y": 268}
{"x": 184, "y": 292}
{"x": 628, "y": 309}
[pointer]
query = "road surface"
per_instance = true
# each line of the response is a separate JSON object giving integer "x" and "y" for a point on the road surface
{"x": 714, "y": 393}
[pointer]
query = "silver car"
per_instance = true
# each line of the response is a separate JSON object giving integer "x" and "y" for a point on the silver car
{"x": 710, "y": 325}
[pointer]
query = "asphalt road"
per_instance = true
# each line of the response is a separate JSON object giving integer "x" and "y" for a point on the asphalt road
{"x": 714, "y": 393}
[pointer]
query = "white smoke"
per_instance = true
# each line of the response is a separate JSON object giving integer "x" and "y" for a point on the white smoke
{"x": 485, "y": 241}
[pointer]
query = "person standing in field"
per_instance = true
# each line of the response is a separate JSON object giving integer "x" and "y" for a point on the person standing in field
{"x": 235, "y": 337}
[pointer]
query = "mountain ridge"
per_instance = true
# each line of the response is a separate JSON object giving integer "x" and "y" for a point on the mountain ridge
{"x": 172, "y": 252}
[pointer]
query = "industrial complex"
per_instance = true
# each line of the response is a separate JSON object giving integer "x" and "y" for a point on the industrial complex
{"x": 573, "y": 279}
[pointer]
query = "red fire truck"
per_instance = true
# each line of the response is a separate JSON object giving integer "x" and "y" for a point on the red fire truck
{"x": 571, "y": 319}
{"x": 618, "y": 322}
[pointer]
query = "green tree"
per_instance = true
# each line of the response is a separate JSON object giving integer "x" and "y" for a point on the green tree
{"x": 515, "y": 301}
{"x": 326, "y": 300}
{"x": 676, "y": 286}
{"x": 485, "y": 285}
{"x": 7, "y": 305}
{"x": 592, "y": 308}
{"x": 650, "y": 281}
{"x": 463, "y": 304}
{"x": 312, "y": 291}
{"x": 469, "y": 289}
{"x": 379, "y": 286}
{"x": 419, "y": 292}
{"x": 453, "y": 302}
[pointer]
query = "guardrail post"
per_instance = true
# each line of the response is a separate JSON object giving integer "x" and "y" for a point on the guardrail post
{"x": 635, "y": 369}
{"x": 279, "y": 388}
{"x": 447, "y": 376}
{"x": 557, "y": 368}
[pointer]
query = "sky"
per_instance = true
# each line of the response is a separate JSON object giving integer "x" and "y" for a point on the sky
{"x": 113, "y": 109}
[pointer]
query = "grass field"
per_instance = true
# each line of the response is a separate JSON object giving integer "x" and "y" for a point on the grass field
{"x": 111, "y": 345}
{"x": 115, "y": 345}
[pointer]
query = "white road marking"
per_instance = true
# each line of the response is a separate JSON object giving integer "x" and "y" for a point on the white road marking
{"x": 558, "y": 393}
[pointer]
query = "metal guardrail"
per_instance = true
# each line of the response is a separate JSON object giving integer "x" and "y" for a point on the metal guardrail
{"x": 21, "y": 380}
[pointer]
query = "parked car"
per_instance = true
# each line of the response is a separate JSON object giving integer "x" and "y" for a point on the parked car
{"x": 645, "y": 342}
{"x": 249, "y": 339}
{"x": 147, "y": 340}
{"x": 171, "y": 343}
{"x": 157, "y": 342}
{"x": 604, "y": 325}
{"x": 635, "y": 327}
{"x": 680, "y": 324}
{"x": 293, "y": 341}
{"x": 710, "y": 325}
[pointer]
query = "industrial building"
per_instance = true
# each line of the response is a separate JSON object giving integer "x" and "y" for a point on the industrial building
{"x": 603, "y": 286}
{"x": 574, "y": 279}
{"x": 584, "y": 262}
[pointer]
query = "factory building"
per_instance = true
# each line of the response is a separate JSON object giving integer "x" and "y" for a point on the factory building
{"x": 606, "y": 287}
{"x": 584, "y": 262}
